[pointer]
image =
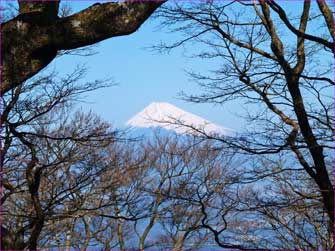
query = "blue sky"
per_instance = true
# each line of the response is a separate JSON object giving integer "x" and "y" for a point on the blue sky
{"x": 142, "y": 77}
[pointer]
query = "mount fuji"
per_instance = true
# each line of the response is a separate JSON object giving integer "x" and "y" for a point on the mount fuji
{"x": 169, "y": 117}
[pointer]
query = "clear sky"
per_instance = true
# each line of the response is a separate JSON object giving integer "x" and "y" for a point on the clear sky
{"x": 142, "y": 76}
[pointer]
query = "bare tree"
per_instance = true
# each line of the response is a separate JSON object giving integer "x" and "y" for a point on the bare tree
{"x": 147, "y": 197}
{"x": 50, "y": 155}
{"x": 42, "y": 144}
{"x": 269, "y": 60}
{"x": 69, "y": 183}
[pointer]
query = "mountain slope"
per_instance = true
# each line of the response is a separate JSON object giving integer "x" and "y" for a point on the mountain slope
{"x": 170, "y": 117}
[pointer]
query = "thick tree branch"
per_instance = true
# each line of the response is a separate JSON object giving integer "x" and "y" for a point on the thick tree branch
{"x": 301, "y": 58}
{"x": 282, "y": 14}
{"x": 100, "y": 22}
{"x": 31, "y": 40}
{"x": 328, "y": 16}
{"x": 48, "y": 8}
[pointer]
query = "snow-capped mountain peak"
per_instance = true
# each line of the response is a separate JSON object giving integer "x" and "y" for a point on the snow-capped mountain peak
{"x": 170, "y": 117}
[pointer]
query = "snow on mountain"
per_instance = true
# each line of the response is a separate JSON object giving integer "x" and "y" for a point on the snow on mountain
{"x": 170, "y": 117}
